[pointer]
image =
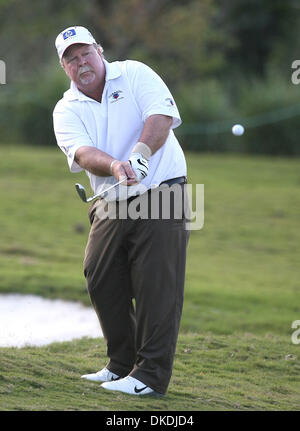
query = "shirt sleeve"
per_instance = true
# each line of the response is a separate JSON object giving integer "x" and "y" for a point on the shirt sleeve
{"x": 70, "y": 134}
{"x": 151, "y": 93}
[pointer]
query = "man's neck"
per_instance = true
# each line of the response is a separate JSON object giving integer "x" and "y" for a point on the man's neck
{"x": 93, "y": 93}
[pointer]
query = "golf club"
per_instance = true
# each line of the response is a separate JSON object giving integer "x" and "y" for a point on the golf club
{"x": 82, "y": 194}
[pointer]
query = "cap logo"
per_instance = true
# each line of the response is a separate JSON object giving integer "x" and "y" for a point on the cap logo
{"x": 69, "y": 33}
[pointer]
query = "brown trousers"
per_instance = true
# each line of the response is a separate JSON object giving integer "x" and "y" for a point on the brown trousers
{"x": 142, "y": 259}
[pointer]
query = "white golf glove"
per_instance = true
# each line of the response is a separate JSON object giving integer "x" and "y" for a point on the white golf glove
{"x": 140, "y": 165}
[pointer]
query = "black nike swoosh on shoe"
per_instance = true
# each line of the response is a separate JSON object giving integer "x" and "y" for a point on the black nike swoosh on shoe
{"x": 137, "y": 391}
{"x": 117, "y": 378}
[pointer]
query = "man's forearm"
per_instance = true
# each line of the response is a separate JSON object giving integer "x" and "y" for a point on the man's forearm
{"x": 156, "y": 131}
{"x": 99, "y": 163}
{"x": 94, "y": 160}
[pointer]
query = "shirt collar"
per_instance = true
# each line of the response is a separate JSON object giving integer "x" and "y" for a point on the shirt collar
{"x": 113, "y": 71}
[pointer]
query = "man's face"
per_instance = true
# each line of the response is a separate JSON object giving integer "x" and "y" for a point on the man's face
{"x": 83, "y": 64}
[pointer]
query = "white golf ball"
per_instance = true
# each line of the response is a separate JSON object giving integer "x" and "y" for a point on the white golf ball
{"x": 238, "y": 129}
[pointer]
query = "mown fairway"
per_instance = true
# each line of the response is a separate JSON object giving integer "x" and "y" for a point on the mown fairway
{"x": 242, "y": 287}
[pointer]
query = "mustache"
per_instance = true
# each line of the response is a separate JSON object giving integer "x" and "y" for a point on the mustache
{"x": 83, "y": 69}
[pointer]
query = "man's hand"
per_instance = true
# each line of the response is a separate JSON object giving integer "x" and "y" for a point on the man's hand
{"x": 122, "y": 170}
{"x": 140, "y": 166}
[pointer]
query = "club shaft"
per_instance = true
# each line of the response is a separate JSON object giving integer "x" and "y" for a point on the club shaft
{"x": 105, "y": 191}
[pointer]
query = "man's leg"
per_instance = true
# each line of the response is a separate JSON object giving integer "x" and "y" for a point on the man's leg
{"x": 108, "y": 282}
{"x": 157, "y": 257}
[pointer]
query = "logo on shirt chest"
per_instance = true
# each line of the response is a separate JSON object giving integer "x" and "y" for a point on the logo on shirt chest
{"x": 116, "y": 96}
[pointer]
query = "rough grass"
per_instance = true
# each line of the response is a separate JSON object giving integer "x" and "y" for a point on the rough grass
{"x": 212, "y": 372}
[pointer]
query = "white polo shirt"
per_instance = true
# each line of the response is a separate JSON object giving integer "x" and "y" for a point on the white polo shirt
{"x": 132, "y": 92}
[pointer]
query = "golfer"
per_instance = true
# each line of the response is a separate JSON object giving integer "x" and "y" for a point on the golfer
{"x": 116, "y": 122}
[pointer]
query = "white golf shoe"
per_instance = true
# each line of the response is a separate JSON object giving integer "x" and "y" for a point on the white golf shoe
{"x": 130, "y": 385}
{"x": 101, "y": 376}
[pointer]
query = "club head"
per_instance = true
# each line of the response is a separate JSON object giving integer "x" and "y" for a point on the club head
{"x": 81, "y": 192}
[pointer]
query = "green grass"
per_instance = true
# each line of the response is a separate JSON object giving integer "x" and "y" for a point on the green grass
{"x": 233, "y": 372}
{"x": 242, "y": 286}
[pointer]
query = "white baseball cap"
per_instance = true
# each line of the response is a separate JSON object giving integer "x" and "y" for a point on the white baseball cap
{"x": 71, "y": 35}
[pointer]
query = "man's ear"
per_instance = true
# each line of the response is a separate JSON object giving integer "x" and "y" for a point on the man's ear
{"x": 100, "y": 50}
{"x": 62, "y": 63}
